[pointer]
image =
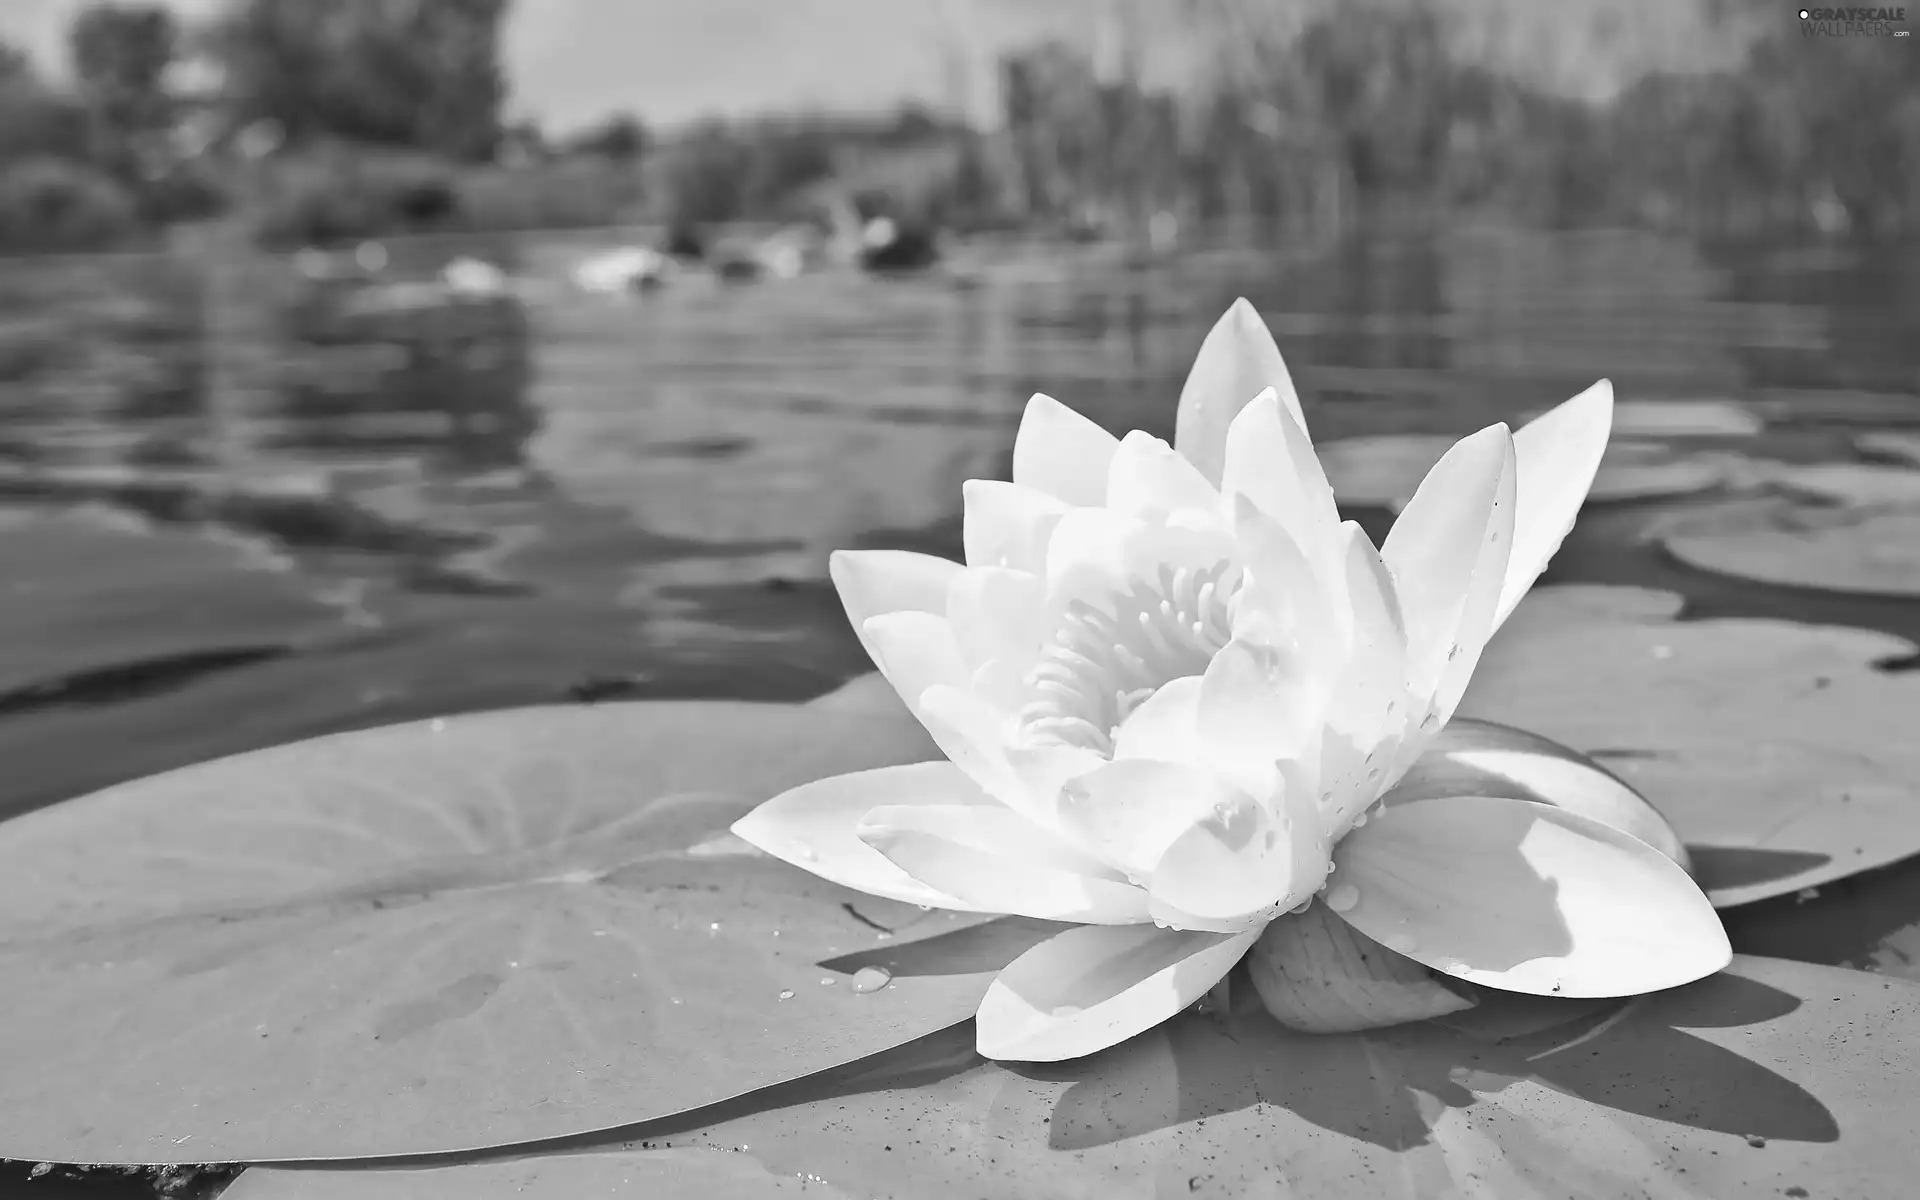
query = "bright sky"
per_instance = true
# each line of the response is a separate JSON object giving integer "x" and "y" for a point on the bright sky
{"x": 571, "y": 61}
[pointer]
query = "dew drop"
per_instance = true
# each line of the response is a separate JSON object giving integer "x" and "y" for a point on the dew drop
{"x": 776, "y": 933}
{"x": 1360, "y": 820}
{"x": 804, "y": 852}
{"x": 436, "y": 725}
{"x": 1303, "y": 906}
{"x": 786, "y": 993}
{"x": 871, "y": 979}
{"x": 1430, "y": 720}
{"x": 1453, "y": 651}
{"x": 1342, "y": 897}
{"x": 714, "y": 928}
{"x": 676, "y": 999}
{"x": 826, "y": 981}
{"x": 1457, "y": 967}
{"x": 1756, "y": 1141}
{"x": 1373, "y": 774}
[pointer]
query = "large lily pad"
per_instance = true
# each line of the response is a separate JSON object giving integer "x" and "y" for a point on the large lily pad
{"x": 1775, "y": 749}
{"x": 1835, "y": 548}
{"x": 1771, "y": 1078}
{"x": 441, "y": 936}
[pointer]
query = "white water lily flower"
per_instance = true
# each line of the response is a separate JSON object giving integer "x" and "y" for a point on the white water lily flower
{"x": 1173, "y": 686}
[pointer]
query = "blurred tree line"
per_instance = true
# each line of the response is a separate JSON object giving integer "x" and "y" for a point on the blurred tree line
{"x": 325, "y": 121}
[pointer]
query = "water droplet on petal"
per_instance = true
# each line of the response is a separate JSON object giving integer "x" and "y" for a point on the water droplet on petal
{"x": 1342, "y": 897}
{"x": 1360, "y": 820}
{"x": 1303, "y": 906}
{"x": 1430, "y": 720}
{"x": 714, "y": 928}
{"x": 826, "y": 981}
{"x": 1373, "y": 774}
{"x": 871, "y": 979}
{"x": 676, "y": 999}
{"x": 786, "y": 993}
{"x": 1453, "y": 651}
{"x": 804, "y": 852}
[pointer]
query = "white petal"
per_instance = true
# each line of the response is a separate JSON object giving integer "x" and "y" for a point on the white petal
{"x": 1284, "y": 601}
{"x": 974, "y": 735}
{"x": 1237, "y": 361}
{"x": 1060, "y": 452}
{"x": 915, "y": 651}
{"x": 1148, "y": 477}
{"x": 1448, "y": 555}
{"x": 1089, "y": 988}
{"x": 1096, "y": 552}
{"x": 1556, "y": 455}
{"x": 1270, "y": 461}
{"x": 1527, "y": 897}
{"x": 1165, "y": 725}
{"x": 1258, "y": 704}
{"x": 1480, "y": 758}
{"x": 998, "y": 861}
{"x": 1370, "y": 701}
{"x": 1241, "y": 863}
{"x": 999, "y": 617}
{"x": 812, "y": 826}
{"x": 1128, "y": 812}
{"x": 873, "y": 582}
{"x": 1006, "y": 525}
{"x": 1318, "y": 974}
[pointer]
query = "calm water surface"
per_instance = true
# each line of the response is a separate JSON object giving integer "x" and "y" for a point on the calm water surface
{"x": 239, "y": 507}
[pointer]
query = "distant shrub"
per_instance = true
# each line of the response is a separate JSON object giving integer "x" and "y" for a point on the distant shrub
{"x": 51, "y": 205}
{"x": 561, "y": 193}
{"x": 345, "y": 194}
{"x": 340, "y": 195}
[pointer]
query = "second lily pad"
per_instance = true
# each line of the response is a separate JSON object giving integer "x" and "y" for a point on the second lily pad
{"x": 1384, "y": 471}
{"x": 1863, "y": 551}
{"x": 1779, "y": 753}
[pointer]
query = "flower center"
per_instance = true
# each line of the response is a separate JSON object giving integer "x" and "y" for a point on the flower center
{"x": 1100, "y": 664}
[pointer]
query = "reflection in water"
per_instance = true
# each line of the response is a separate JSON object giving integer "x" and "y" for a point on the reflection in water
{"x": 654, "y": 481}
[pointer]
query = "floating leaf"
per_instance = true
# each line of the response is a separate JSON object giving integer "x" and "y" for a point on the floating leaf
{"x": 1860, "y": 485}
{"x": 1771, "y": 1077}
{"x": 1383, "y": 471}
{"x": 1835, "y": 549}
{"x": 1895, "y": 444}
{"x": 1682, "y": 419}
{"x": 1780, "y": 755}
{"x": 447, "y": 935}
{"x": 692, "y": 1174}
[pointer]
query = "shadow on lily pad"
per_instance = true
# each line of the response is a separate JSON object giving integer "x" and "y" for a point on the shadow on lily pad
{"x": 1723, "y": 867}
{"x": 1770, "y": 1078}
{"x": 1382, "y": 1088}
